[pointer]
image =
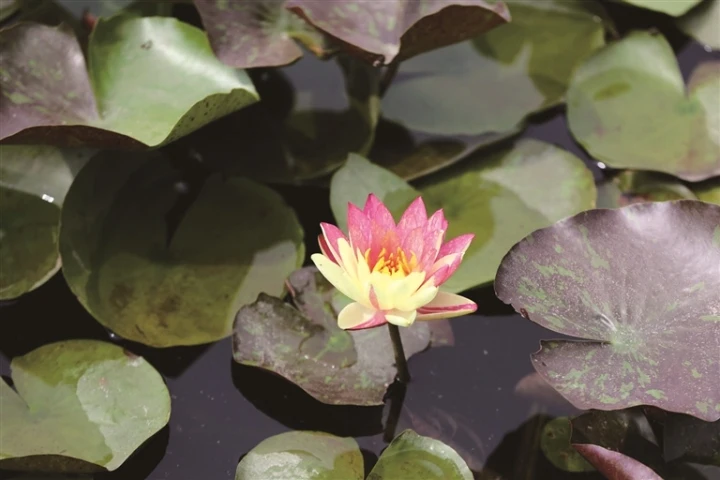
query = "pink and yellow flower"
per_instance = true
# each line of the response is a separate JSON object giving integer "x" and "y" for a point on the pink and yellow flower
{"x": 392, "y": 272}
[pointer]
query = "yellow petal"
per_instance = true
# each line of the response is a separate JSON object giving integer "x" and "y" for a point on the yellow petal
{"x": 393, "y": 291}
{"x": 400, "y": 318}
{"x": 421, "y": 297}
{"x": 446, "y": 305}
{"x": 356, "y": 314}
{"x": 335, "y": 275}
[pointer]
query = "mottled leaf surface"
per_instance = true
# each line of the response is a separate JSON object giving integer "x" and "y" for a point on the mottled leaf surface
{"x": 639, "y": 286}
{"x": 614, "y": 465}
{"x": 163, "y": 259}
{"x": 33, "y": 184}
{"x": 394, "y": 30}
{"x": 701, "y": 23}
{"x": 79, "y": 406}
{"x": 636, "y": 114}
{"x": 306, "y": 346}
{"x": 136, "y": 92}
{"x": 303, "y": 455}
{"x": 489, "y": 84}
{"x": 411, "y": 455}
{"x": 670, "y": 7}
{"x": 691, "y": 439}
{"x": 257, "y": 33}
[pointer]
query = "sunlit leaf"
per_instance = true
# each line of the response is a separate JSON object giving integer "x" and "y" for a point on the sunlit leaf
{"x": 136, "y": 92}
{"x": 639, "y": 285}
{"x": 80, "y": 406}
{"x": 671, "y": 7}
{"x": 394, "y": 30}
{"x": 702, "y": 23}
{"x": 303, "y": 455}
{"x": 164, "y": 259}
{"x": 614, "y": 465}
{"x": 636, "y": 114}
{"x": 691, "y": 439}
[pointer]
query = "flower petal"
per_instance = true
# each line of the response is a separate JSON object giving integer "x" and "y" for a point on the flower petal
{"x": 401, "y": 318}
{"x": 359, "y": 228}
{"x": 356, "y": 316}
{"x": 414, "y": 217}
{"x": 335, "y": 274}
{"x": 378, "y": 213}
{"x": 446, "y": 305}
{"x": 420, "y": 298}
{"x": 325, "y": 249}
{"x": 456, "y": 245}
{"x": 392, "y": 290}
{"x": 332, "y": 234}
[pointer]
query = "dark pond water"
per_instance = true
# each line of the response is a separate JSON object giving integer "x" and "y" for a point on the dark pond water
{"x": 464, "y": 395}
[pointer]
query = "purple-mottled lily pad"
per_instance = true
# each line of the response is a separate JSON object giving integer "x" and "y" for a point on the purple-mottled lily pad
{"x": 691, "y": 439}
{"x": 257, "y": 33}
{"x": 639, "y": 285}
{"x": 306, "y": 346}
{"x": 135, "y": 93}
{"x": 394, "y": 30}
{"x": 614, "y": 465}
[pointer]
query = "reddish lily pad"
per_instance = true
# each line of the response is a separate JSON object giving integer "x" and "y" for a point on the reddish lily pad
{"x": 639, "y": 285}
{"x": 394, "y": 30}
{"x": 134, "y": 94}
{"x": 257, "y": 33}
{"x": 614, "y": 465}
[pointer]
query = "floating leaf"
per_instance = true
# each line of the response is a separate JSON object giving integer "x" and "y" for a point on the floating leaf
{"x": 708, "y": 191}
{"x": 257, "y": 33}
{"x": 670, "y": 7}
{"x": 135, "y": 94}
{"x": 395, "y": 30}
{"x": 555, "y": 444}
{"x": 639, "y": 284}
{"x": 635, "y": 114}
{"x": 308, "y": 348}
{"x": 312, "y": 114}
{"x": 635, "y": 187}
{"x": 702, "y": 23}
{"x": 691, "y": 440}
{"x": 159, "y": 285}
{"x": 33, "y": 184}
{"x": 490, "y": 84}
{"x": 614, "y": 465}
{"x": 303, "y": 455}
{"x": 478, "y": 196}
{"x": 80, "y": 406}
{"x": 8, "y": 8}
{"x": 410, "y": 455}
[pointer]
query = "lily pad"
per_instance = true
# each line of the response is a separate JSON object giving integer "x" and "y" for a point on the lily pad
{"x": 306, "y": 346}
{"x": 80, "y": 406}
{"x": 135, "y": 93}
{"x": 312, "y": 114}
{"x": 478, "y": 196}
{"x": 670, "y": 7}
{"x": 635, "y": 187}
{"x": 708, "y": 191}
{"x": 555, "y": 444}
{"x": 303, "y": 455}
{"x": 491, "y": 83}
{"x": 33, "y": 184}
{"x": 637, "y": 115}
{"x": 163, "y": 258}
{"x": 691, "y": 440}
{"x": 8, "y": 8}
{"x": 257, "y": 33}
{"x": 701, "y": 23}
{"x": 395, "y": 30}
{"x": 411, "y": 455}
{"x": 639, "y": 285}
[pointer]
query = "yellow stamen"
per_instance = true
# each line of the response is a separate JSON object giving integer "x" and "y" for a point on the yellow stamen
{"x": 394, "y": 264}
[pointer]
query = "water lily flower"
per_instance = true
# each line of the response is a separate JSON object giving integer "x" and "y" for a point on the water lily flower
{"x": 392, "y": 271}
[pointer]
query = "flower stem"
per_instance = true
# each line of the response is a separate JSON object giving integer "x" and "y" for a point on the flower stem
{"x": 400, "y": 360}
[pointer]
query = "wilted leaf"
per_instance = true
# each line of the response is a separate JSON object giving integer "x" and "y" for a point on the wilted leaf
{"x": 691, "y": 440}
{"x": 555, "y": 444}
{"x": 257, "y": 33}
{"x": 411, "y": 456}
{"x": 614, "y": 465}
{"x": 639, "y": 284}
{"x": 478, "y": 196}
{"x": 303, "y": 455}
{"x": 702, "y": 23}
{"x": 159, "y": 285}
{"x": 394, "y": 30}
{"x": 635, "y": 114}
{"x": 80, "y": 406}
{"x": 33, "y": 184}
{"x": 670, "y": 7}
{"x": 135, "y": 93}
{"x": 308, "y": 348}
{"x": 489, "y": 84}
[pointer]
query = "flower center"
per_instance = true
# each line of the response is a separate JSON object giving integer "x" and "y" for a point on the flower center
{"x": 393, "y": 263}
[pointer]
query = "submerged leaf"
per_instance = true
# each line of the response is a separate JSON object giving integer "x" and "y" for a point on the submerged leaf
{"x": 702, "y": 23}
{"x": 691, "y": 440}
{"x": 614, "y": 465}
{"x": 80, "y": 406}
{"x": 163, "y": 259}
{"x": 636, "y": 114}
{"x": 670, "y": 7}
{"x": 639, "y": 284}
{"x": 394, "y": 30}
{"x": 135, "y": 93}
{"x": 555, "y": 444}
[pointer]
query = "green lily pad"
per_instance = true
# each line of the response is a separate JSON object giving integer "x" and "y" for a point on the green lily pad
{"x": 395, "y": 30}
{"x": 306, "y": 346}
{"x": 303, "y": 455}
{"x": 708, "y": 191}
{"x": 491, "y": 83}
{"x": 691, "y": 440}
{"x": 635, "y": 187}
{"x": 636, "y": 115}
{"x": 478, "y": 196}
{"x": 134, "y": 94}
{"x": 165, "y": 286}
{"x": 670, "y": 7}
{"x": 33, "y": 184}
{"x": 80, "y": 406}
{"x": 555, "y": 444}
{"x": 312, "y": 114}
{"x": 641, "y": 295}
{"x": 701, "y": 23}
{"x": 257, "y": 33}
{"x": 411, "y": 455}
